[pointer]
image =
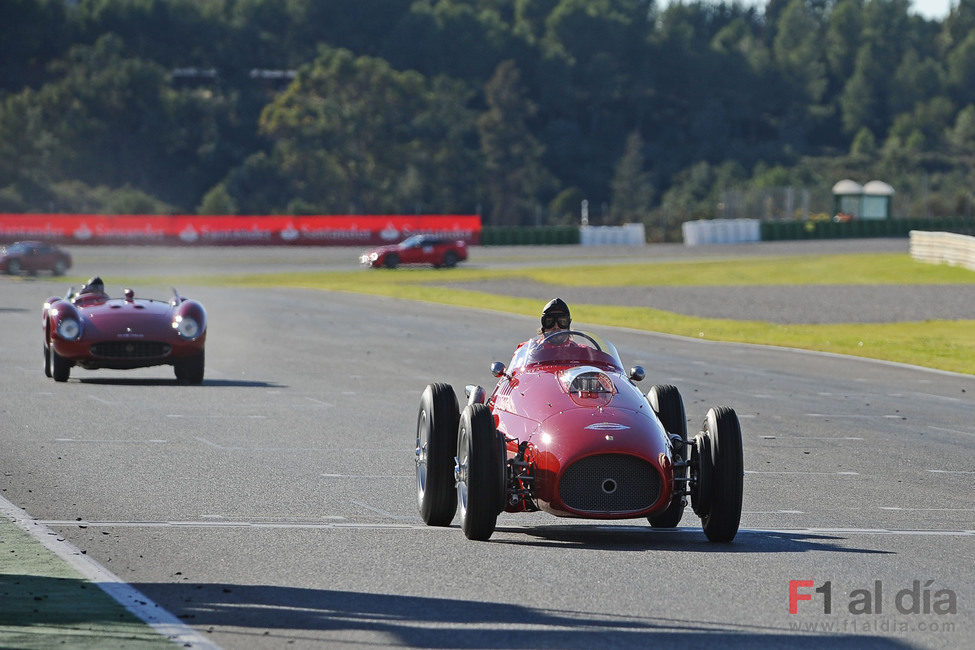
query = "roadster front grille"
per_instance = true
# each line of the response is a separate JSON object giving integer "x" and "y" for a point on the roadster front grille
{"x": 130, "y": 349}
{"x": 610, "y": 483}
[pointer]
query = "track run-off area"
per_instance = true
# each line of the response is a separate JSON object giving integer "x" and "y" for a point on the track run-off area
{"x": 275, "y": 506}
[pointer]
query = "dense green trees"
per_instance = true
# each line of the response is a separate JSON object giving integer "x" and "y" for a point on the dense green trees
{"x": 518, "y": 109}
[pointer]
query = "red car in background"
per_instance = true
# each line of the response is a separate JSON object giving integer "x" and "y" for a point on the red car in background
{"x": 33, "y": 256}
{"x": 92, "y": 330}
{"x": 418, "y": 249}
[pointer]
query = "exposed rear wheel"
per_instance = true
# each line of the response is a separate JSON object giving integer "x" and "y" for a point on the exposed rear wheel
{"x": 719, "y": 473}
{"x": 479, "y": 472}
{"x": 60, "y": 267}
{"x": 669, "y": 408}
{"x": 450, "y": 259}
{"x": 436, "y": 446}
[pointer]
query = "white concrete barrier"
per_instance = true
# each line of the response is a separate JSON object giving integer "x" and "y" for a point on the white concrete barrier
{"x": 629, "y": 234}
{"x": 721, "y": 231}
{"x": 943, "y": 248}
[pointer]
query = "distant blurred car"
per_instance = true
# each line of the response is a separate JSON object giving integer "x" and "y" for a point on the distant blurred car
{"x": 33, "y": 256}
{"x": 418, "y": 249}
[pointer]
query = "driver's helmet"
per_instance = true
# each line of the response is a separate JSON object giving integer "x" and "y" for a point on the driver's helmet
{"x": 95, "y": 285}
{"x": 556, "y": 315}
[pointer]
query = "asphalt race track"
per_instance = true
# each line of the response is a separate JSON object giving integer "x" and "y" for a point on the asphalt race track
{"x": 274, "y": 506}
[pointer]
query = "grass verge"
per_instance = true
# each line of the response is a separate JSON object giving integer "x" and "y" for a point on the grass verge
{"x": 941, "y": 344}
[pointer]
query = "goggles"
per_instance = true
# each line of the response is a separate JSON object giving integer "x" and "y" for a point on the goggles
{"x": 549, "y": 322}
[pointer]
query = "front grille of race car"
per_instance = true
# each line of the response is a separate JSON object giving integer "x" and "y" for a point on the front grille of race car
{"x": 130, "y": 349}
{"x": 610, "y": 483}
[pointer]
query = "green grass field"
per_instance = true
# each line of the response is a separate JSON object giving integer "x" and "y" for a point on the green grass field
{"x": 941, "y": 344}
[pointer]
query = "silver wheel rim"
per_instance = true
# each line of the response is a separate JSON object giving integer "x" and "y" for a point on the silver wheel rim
{"x": 422, "y": 442}
{"x": 462, "y": 469}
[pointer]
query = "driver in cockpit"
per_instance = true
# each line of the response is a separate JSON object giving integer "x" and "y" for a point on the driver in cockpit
{"x": 555, "y": 317}
{"x": 91, "y": 292}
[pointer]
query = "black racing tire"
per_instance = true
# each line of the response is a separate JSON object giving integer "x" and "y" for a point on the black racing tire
{"x": 13, "y": 267}
{"x": 436, "y": 447}
{"x": 479, "y": 473}
{"x": 191, "y": 369}
{"x": 60, "y": 267}
{"x": 59, "y": 366}
{"x": 668, "y": 405}
{"x": 449, "y": 260}
{"x": 721, "y": 440}
{"x": 47, "y": 361}
{"x": 391, "y": 261}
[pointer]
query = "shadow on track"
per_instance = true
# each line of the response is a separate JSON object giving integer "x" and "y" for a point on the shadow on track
{"x": 683, "y": 540}
{"x": 211, "y": 383}
{"x": 328, "y": 615}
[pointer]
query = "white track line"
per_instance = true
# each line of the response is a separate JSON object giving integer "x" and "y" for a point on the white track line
{"x": 509, "y": 525}
{"x": 748, "y": 471}
{"x": 125, "y": 594}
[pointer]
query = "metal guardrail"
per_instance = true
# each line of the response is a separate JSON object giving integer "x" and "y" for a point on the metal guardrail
{"x": 943, "y": 248}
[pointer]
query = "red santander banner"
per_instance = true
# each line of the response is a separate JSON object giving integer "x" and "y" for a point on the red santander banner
{"x": 211, "y": 230}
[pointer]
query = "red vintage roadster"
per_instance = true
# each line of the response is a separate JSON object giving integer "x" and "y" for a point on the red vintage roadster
{"x": 91, "y": 330}
{"x": 567, "y": 431}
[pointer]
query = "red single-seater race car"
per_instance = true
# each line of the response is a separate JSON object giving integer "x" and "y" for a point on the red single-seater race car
{"x": 91, "y": 330}
{"x": 418, "y": 249}
{"x": 567, "y": 431}
{"x": 33, "y": 256}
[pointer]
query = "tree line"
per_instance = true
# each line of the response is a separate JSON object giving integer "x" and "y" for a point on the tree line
{"x": 515, "y": 109}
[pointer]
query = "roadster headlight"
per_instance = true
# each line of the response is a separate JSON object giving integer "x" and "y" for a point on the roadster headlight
{"x": 186, "y": 327}
{"x": 373, "y": 257}
{"x": 69, "y": 329}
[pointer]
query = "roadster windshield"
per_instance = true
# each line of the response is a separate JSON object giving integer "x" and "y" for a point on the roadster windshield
{"x": 568, "y": 348}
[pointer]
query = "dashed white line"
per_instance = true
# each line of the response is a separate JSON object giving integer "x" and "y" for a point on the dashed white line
{"x": 318, "y": 401}
{"x": 218, "y": 416}
{"x": 843, "y": 416}
{"x": 951, "y": 471}
{"x": 964, "y": 433}
{"x": 366, "y": 476}
{"x": 747, "y": 471}
{"x": 209, "y": 523}
{"x": 801, "y": 438}
{"x": 382, "y": 512}
{"x": 928, "y": 509}
{"x": 106, "y": 440}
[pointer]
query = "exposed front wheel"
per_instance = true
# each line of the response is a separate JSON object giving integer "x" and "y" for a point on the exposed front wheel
{"x": 47, "y": 361}
{"x": 13, "y": 267}
{"x": 60, "y": 368}
{"x": 718, "y": 468}
{"x": 479, "y": 472}
{"x": 60, "y": 267}
{"x": 668, "y": 406}
{"x": 436, "y": 446}
{"x": 391, "y": 261}
{"x": 190, "y": 370}
{"x": 450, "y": 259}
